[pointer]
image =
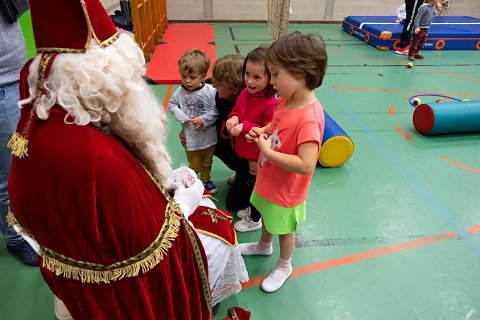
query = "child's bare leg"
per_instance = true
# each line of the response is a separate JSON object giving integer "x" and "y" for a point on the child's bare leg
{"x": 287, "y": 244}
{"x": 262, "y": 247}
{"x": 267, "y": 237}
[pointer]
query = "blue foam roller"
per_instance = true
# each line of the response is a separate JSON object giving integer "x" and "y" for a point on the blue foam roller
{"x": 337, "y": 147}
{"x": 447, "y": 117}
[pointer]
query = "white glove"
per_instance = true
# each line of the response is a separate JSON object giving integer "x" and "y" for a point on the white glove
{"x": 187, "y": 188}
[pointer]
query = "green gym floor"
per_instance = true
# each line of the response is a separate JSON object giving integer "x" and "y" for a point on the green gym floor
{"x": 393, "y": 234}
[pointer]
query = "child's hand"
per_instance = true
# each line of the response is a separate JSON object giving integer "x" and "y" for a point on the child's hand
{"x": 232, "y": 122}
{"x": 254, "y": 133}
{"x": 197, "y": 122}
{"x": 417, "y": 30}
{"x": 237, "y": 130}
{"x": 183, "y": 139}
{"x": 264, "y": 143}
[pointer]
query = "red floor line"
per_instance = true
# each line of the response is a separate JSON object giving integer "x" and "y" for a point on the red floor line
{"x": 416, "y": 92}
{"x": 391, "y": 109}
{"x": 359, "y": 257}
{"x": 167, "y": 97}
{"x": 335, "y": 52}
{"x": 474, "y": 229}
{"x": 459, "y": 164}
{"x": 404, "y": 134}
{"x": 450, "y": 74}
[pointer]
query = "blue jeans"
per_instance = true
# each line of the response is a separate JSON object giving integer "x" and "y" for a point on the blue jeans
{"x": 9, "y": 116}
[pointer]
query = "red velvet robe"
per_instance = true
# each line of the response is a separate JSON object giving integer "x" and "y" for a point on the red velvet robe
{"x": 81, "y": 193}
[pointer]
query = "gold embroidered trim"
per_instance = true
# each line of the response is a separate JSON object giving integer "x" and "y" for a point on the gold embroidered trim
{"x": 218, "y": 237}
{"x": 12, "y": 220}
{"x": 232, "y": 314}
{"x": 60, "y": 50}
{"x": 19, "y": 143}
{"x": 201, "y": 267}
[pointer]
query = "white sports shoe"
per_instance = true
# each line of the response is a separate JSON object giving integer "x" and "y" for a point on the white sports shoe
{"x": 244, "y": 213}
{"x": 247, "y": 224}
{"x": 275, "y": 280}
{"x": 251, "y": 248}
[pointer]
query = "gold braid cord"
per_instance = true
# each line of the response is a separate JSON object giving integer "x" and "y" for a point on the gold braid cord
{"x": 19, "y": 142}
{"x": 278, "y": 15}
{"x": 88, "y": 272}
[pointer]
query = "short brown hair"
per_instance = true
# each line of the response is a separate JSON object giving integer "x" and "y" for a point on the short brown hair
{"x": 228, "y": 71}
{"x": 194, "y": 60}
{"x": 300, "y": 54}
{"x": 258, "y": 55}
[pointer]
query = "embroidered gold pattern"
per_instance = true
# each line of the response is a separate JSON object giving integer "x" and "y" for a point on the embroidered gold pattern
{"x": 213, "y": 215}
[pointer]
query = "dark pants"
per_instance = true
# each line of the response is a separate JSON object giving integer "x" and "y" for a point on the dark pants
{"x": 418, "y": 42}
{"x": 238, "y": 197}
{"x": 224, "y": 149}
{"x": 411, "y": 7}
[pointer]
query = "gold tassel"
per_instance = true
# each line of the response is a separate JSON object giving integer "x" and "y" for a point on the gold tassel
{"x": 18, "y": 145}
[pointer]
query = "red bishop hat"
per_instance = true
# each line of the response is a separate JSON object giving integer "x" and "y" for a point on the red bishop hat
{"x": 68, "y": 26}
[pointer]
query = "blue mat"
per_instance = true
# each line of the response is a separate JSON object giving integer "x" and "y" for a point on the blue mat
{"x": 446, "y": 33}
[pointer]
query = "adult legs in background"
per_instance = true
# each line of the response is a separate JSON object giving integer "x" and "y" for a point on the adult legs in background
{"x": 9, "y": 116}
{"x": 411, "y": 6}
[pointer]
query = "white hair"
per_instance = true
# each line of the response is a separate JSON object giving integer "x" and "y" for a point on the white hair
{"x": 105, "y": 85}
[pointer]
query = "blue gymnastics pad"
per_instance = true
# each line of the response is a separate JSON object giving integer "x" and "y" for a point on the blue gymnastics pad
{"x": 337, "y": 147}
{"x": 447, "y": 117}
{"x": 446, "y": 33}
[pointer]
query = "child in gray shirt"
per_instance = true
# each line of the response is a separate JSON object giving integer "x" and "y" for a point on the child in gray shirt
{"x": 427, "y": 11}
{"x": 193, "y": 104}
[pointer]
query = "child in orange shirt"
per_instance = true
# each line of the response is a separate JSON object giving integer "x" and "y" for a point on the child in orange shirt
{"x": 289, "y": 147}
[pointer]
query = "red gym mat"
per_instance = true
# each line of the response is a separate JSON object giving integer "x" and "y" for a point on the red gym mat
{"x": 163, "y": 66}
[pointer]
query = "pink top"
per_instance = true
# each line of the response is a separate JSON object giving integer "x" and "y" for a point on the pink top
{"x": 253, "y": 110}
{"x": 289, "y": 129}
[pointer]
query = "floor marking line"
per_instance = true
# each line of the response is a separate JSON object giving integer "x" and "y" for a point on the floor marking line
{"x": 337, "y": 262}
{"x": 474, "y": 229}
{"x": 416, "y": 92}
{"x": 167, "y": 97}
{"x": 403, "y": 133}
{"x": 391, "y": 109}
{"x": 450, "y": 74}
{"x": 459, "y": 164}
{"x": 410, "y": 177}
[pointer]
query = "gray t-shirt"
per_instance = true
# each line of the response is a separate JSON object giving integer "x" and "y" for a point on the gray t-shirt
{"x": 12, "y": 51}
{"x": 424, "y": 16}
{"x": 186, "y": 105}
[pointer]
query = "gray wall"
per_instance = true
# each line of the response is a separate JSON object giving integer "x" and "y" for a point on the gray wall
{"x": 303, "y": 10}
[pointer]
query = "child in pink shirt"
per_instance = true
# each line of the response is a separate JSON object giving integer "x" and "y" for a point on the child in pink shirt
{"x": 254, "y": 108}
{"x": 289, "y": 147}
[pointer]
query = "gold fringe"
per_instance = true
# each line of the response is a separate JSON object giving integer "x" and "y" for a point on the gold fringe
{"x": 11, "y": 219}
{"x": 87, "y": 272}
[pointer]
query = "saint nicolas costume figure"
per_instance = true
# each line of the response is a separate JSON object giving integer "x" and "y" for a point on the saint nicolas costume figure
{"x": 86, "y": 178}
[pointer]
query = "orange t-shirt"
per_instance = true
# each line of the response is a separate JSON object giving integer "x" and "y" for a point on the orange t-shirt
{"x": 289, "y": 129}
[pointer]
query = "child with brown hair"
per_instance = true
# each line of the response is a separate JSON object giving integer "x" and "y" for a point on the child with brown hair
{"x": 193, "y": 104}
{"x": 227, "y": 77}
{"x": 427, "y": 11}
{"x": 254, "y": 108}
{"x": 289, "y": 147}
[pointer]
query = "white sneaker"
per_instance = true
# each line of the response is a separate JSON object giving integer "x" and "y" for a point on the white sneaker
{"x": 275, "y": 280}
{"x": 247, "y": 224}
{"x": 244, "y": 213}
{"x": 251, "y": 248}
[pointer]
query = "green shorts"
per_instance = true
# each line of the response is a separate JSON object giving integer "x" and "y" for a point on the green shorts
{"x": 278, "y": 219}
